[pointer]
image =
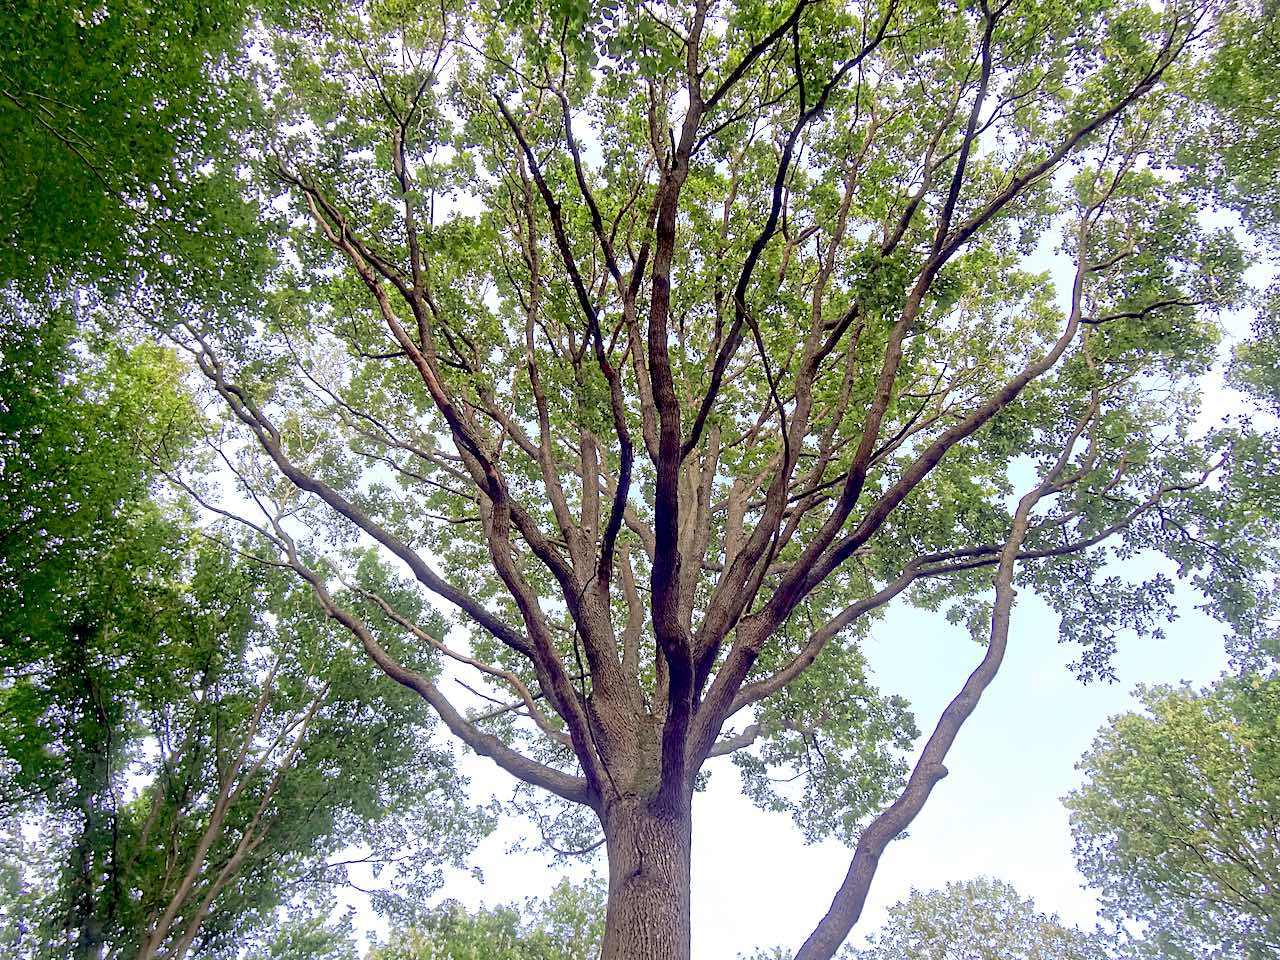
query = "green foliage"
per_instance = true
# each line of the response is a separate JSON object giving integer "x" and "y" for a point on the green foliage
{"x": 840, "y": 737}
{"x": 1257, "y": 361}
{"x": 566, "y": 925}
{"x": 1239, "y": 144}
{"x": 421, "y": 258}
{"x": 176, "y": 693}
{"x": 308, "y": 938}
{"x": 109, "y": 113}
{"x": 143, "y": 670}
{"x": 363, "y": 776}
{"x": 81, "y": 420}
{"x": 978, "y": 919}
{"x": 1175, "y": 821}
{"x": 82, "y": 424}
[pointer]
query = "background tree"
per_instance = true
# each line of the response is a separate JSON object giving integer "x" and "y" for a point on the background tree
{"x": 568, "y": 924}
{"x": 980, "y": 919}
{"x": 79, "y": 422}
{"x": 1175, "y": 823}
{"x": 171, "y": 769}
{"x": 309, "y": 938}
{"x": 231, "y": 781}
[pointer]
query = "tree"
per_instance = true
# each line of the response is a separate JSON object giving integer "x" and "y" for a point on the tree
{"x": 228, "y": 777}
{"x": 1175, "y": 823}
{"x": 566, "y": 925}
{"x": 980, "y": 919}
{"x": 663, "y": 348}
{"x": 109, "y": 115}
{"x": 172, "y": 767}
{"x": 79, "y": 541}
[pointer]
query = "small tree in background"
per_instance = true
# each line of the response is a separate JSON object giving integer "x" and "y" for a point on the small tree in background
{"x": 980, "y": 919}
{"x": 568, "y": 924}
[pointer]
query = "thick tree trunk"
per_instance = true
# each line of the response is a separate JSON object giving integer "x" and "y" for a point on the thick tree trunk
{"x": 648, "y": 913}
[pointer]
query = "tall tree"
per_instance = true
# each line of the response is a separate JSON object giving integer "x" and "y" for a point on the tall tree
{"x": 664, "y": 347}
{"x": 80, "y": 421}
{"x": 1175, "y": 823}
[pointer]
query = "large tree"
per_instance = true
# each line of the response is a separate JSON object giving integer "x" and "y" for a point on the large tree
{"x": 664, "y": 347}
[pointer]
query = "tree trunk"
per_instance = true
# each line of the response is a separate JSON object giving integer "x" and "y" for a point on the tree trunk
{"x": 648, "y": 912}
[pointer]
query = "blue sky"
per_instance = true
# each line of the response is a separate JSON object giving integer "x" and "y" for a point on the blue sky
{"x": 997, "y": 813}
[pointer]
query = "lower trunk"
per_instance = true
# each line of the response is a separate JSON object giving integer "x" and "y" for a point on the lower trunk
{"x": 648, "y": 913}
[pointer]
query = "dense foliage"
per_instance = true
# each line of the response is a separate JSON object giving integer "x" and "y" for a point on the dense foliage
{"x": 1176, "y": 820}
{"x": 976, "y": 920}
{"x": 660, "y": 348}
{"x": 110, "y": 113}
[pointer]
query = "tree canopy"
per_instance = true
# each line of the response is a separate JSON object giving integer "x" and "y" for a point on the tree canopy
{"x": 110, "y": 114}
{"x": 659, "y": 349}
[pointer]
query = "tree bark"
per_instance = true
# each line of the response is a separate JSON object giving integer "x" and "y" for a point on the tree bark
{"x": 648, "y": 912}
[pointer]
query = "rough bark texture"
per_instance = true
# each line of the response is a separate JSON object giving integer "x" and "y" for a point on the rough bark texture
{"x": 648, "y": 914}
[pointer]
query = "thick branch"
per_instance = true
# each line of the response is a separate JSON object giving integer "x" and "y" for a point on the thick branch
{"x": 847, "y": 905}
